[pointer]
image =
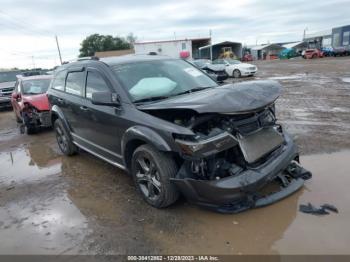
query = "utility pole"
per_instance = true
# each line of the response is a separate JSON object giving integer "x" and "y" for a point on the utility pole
{"x": 58, "y": 48}
{"x": 211, "y": 46}
{"x": 304, "y": 34}
{"x": 33, "y": 62}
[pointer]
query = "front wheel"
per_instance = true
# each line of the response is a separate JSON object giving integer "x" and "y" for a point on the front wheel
{"x": 151, "y": 171}
{"x": 236, "y": 73}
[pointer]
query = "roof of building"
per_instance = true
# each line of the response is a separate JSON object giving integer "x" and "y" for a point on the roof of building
{"x": 293, "y": 45}
{"x": 172, "y": 40}
{"x": 221, "y": 43}
{"x": 327, "y": 32}
{"x": 261, "y": 47}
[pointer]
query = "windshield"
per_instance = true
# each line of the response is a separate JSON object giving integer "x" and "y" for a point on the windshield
{"x": 35, "y": 87}
{"x": 161, "y": 78}
{"x": 233, "y": 62}
{"x": 8, "y": 76}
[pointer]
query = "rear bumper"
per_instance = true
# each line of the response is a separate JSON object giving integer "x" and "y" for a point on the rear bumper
{"x": 237, "y": 193}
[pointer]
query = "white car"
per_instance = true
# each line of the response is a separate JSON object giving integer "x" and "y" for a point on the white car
{"x": 235, "y": 68}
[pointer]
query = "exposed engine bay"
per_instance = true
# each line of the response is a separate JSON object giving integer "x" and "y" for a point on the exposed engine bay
{"x": 225, "y": 144}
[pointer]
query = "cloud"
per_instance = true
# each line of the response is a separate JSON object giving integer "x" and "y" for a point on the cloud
{"x": 27, "y": 28}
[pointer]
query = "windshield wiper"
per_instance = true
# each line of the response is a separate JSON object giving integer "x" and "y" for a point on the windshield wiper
{"x": 152, "y": 98}
{"x": 193, "y": 90}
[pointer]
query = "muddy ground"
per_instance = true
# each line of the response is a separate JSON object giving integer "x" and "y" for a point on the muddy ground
{"x": 52, "y": 204}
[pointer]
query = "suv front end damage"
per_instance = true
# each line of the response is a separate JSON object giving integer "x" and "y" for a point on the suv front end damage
{"x": 235, "y": 161}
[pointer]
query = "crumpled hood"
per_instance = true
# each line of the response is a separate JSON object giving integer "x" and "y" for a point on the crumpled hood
{"x": 40, "y": 102}
{"x": 215, "y": 67}
{"x": 232, "y": 98}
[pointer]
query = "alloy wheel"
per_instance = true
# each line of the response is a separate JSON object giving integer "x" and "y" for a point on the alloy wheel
{"x": 147, "y": 177}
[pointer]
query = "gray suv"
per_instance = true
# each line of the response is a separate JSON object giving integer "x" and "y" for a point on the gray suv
{"x": 7, "y": 85}
{"x": 176, "y": 131}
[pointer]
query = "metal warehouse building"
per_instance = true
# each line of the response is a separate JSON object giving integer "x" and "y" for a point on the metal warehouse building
{"x": 184, "y": 48}
{"x": 217, "y": 49}
{"x": 319, "y": 39}
{"x": 341, "y": 37}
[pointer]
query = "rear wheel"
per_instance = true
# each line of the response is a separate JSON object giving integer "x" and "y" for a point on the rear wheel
{"x": 64, "y": 141}
{"x": 236, "y": 73}
{"x": 152, "y": 171}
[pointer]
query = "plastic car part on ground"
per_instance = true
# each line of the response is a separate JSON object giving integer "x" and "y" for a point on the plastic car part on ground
{"x": 322, "y": 210}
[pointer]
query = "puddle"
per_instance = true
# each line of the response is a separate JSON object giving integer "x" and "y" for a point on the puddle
{"x": 290, "y": 77}
{"x": 50, "y": 226}
{"x": 28, "y": 164}
{"x": 276, "y": 229}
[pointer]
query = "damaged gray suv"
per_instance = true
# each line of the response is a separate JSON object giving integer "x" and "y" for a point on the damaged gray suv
{"x": 176, "y": 131}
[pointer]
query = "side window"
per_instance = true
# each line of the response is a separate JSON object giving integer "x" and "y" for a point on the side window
{"x": 95, "y": 83}
{"x": 58, "y": 81}
{"x": 75, "y": 83}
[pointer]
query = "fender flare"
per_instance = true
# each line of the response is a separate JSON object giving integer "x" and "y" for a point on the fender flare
{"x": 146, "y": 135}
{"x": 55, "y": 110}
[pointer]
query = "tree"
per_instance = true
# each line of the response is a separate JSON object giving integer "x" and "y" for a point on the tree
{"x": 97, "y": 43}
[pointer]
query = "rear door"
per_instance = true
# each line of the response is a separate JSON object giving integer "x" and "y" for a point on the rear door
{"x": 102, "y": 124}
{"x": 72, "y": 100}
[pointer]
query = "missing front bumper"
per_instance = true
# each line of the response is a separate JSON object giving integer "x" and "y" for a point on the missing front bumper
{"x": 237, "y": 193}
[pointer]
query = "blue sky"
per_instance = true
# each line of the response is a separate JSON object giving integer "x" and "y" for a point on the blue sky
{"x": 27, "y": 28}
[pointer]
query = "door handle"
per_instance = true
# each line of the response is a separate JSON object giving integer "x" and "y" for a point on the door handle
{"x": 60, "y": 100}
{"x": 84, "y": 108}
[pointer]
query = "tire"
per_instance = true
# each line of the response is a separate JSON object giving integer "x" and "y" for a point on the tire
{"x": 151, "y": 171}
{"x": 63, "y": 139}
{"x": 236, "y": 73}
{"x": 314, "y": 56}
{"x": 30, "y": 130}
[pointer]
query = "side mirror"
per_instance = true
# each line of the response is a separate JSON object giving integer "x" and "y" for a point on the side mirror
{"x": 105, "y": 99}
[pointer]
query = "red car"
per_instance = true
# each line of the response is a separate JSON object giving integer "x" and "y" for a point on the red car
{"x": 247, "y": 58}
{"x": 30, "y": 102}
{"x": 312, "y": 53}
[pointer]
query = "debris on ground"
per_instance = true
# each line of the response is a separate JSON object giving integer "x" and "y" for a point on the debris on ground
{"x": 322, "y": 210}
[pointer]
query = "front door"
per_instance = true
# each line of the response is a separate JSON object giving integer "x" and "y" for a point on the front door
{"x": 102, "y": 124}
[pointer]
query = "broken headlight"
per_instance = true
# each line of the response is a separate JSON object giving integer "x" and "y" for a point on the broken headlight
{"x": 206, "y": 147}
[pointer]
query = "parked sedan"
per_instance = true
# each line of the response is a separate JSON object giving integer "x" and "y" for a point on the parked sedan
{"x": 30, "y": 102}
{"x": 235, "y": 68}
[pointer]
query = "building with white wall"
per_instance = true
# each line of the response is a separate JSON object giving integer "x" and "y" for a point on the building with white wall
{"x": 184, "y": 48}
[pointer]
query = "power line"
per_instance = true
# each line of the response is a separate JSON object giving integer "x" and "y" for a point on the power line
{"x": 24, "y": 24}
